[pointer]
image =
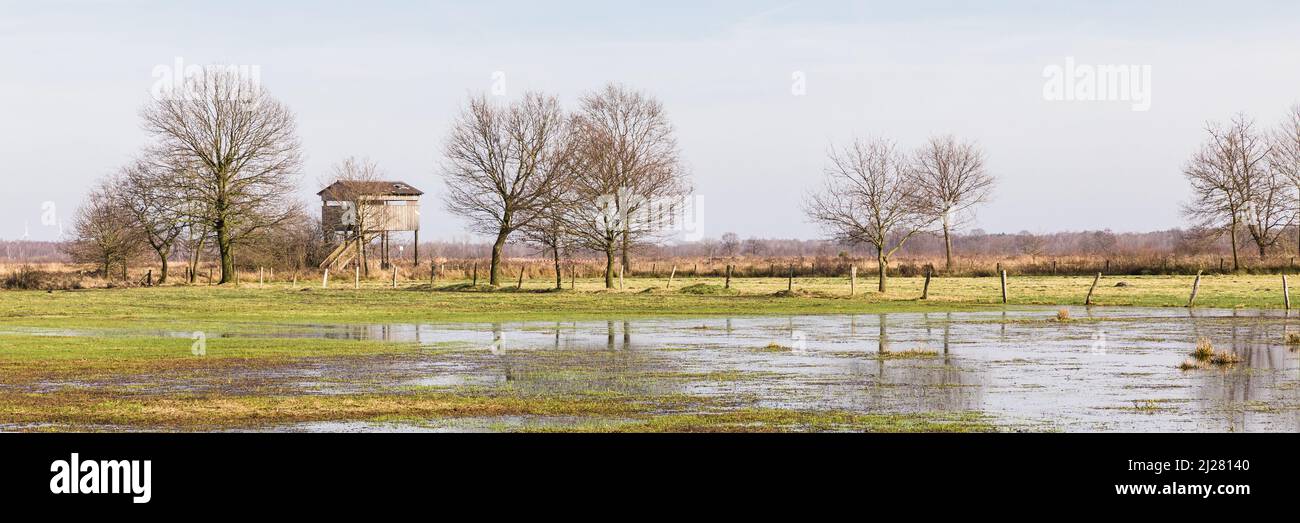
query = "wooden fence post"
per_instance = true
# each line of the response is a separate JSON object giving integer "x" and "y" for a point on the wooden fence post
{"x": 1095, "y": 279}
{"x": 853, "y": 280}
{"x": 1286, "y": 294}
{"x": 670, "y": 277}
{"x": 394, "y": 275}
{"x": 520, "y": 285}
{"x": 1196, "y": 286}
{"x": 209, "y": 275}
{"x": 148, "y": 278}
{"x": 356, "y": 278}
{"x": 1004, "y": 287}
{"x": 475, "y": 283}
{"x": 727, "y": 285}
{"x": 789, "y": 282}
{"x": 925, "y": 288}
{"x": 325, "y": 279}
{"x": 433, "y": 273}
{"x": 261, "y": 276}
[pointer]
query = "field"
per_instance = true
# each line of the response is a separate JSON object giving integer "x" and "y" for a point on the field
{"x": 253, "y": 357}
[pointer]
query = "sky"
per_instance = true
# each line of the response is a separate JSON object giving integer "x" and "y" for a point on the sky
{"x": 758, "y": 91}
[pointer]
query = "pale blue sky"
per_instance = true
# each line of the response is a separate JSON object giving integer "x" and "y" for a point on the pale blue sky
{"x": 382, "y": 79}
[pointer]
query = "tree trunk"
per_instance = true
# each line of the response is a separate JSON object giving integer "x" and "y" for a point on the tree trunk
{"x": 627, "y": 259}
{"x": 882, "y": 267}
{"x": 1232, "y": 235}
{"x": 947, "y": 244}
{"x": 609, "y": 266}
{"x": 162, "y": 258}
{"x": 559, "y": 276}
{"x": 194, "y": 259}
{"x": 497, "y": 246}
{"x": 227, "y": 255}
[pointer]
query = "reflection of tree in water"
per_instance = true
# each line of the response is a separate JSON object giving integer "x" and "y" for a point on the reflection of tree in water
{"x": 1247, "y": 393}
{"x": 913, "y": 384}
{"x": 574, "y": 362}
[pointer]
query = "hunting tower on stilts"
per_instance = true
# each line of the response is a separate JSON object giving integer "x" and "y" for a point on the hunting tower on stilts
{"x": 356, "y": 213}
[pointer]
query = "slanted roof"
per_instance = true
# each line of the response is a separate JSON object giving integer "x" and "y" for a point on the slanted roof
{"x": 378, "y": 188}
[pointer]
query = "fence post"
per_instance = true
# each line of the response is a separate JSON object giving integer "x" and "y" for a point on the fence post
{"x": 261, "y": 276}
{"x": 520, "y": 285}
{"x": 148, "y": 278}
{"x": 1196, "y": 285}
{"x": 1095, "y": 279}
{"x": 475, "y": 283}
{"x": 670, "y": 277}
{"x": 789, "y": 282}
{"x": 394, "y": 275}
{"x": 728, "y": 284}
{"x": 1286, "y": 294}
{"x": 853, "y": 280}
{"x": 325, "y": 279}
{"x": 1004, "y": 287}
{"x": 209, "y": 275}
{"x": 356, "y": 278}
{"x": 925, "y": 288}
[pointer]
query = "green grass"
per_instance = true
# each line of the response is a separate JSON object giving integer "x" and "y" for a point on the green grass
{"x": 376, "y": 302}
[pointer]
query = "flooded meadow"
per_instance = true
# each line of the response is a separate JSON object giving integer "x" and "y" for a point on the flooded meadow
{"x": 1030, "y": 369}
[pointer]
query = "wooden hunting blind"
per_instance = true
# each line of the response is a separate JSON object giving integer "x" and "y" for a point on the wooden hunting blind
{"x": 355, "y": 213}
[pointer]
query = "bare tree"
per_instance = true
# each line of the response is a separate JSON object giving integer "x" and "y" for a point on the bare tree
{"x": 353, "y": 183}
{"x": 1031, "y": 245}
{"x": 1100, "y": 243}
{"x": 871, "y": 197}
{"x": 143, "y": 191}
{"x": 502, "y": 163}
{"x": 628, "y": 136}
{"x": 551, "y": 235}
{"x": 1284, "y": 155}
{"x": 730, "y": 244}
{"x": 953, "y": 180}
{"x": 1270, "y": 206}
{"x": 105, "y": 232}
{"x": 241, "y": 153}
{"x": 1222, "y": 174}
